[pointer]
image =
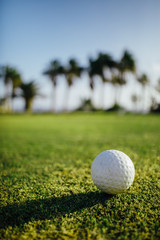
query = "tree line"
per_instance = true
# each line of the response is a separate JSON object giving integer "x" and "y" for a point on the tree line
{"x": 103, "y": 67}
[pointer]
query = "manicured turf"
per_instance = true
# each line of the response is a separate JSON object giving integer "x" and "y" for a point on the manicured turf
{"x": 46, "y": 190}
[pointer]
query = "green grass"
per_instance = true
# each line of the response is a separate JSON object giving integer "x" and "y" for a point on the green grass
{"x": 46, "y": 190}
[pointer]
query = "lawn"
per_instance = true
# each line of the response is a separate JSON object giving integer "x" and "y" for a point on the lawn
{"x": 46, "y": 190}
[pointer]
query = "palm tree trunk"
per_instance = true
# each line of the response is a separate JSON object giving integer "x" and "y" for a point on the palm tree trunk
{"x": 92, "y": 96}
{"x": 116, "y": 95}
{"x": 143, "y": 99}
{"x": 120, "y": 93}
{"x": 8, "y": 97}
{"x": 53, "y": 100}
{"x": 66, "y": 98}
{"x": 91, "y": 84}
{"x": 28, "y": 105}
{"x": 102, "y": 96}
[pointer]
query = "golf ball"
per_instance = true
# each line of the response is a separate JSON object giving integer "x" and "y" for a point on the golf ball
{"x": 112, "y": 171}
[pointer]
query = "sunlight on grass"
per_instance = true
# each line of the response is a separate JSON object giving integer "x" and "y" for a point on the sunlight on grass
{"x": 45, "y": 182}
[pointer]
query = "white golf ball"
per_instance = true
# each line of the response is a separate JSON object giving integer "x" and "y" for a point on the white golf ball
{"x": 112, "y": 171}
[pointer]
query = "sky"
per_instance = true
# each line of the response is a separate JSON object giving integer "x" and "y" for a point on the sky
{"x": 34, "y": 32}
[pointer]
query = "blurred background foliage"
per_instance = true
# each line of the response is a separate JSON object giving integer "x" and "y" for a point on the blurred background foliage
{"x": 103, "y": 66}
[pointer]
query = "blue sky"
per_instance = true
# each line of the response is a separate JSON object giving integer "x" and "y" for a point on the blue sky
{"x": 34, "y": 32}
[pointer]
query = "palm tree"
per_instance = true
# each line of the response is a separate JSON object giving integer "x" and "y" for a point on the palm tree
{"x": 105, "y": 65}
{"x": 144, "y": 81}
{"x": 126, "y": 64}
{"x": 135, "y": 99}
{"x": 54, "y": 70}
{"x": 29, "y": 92}
{"x": 94, "y": 70}
{"x": 117, "y": 82}
{"x": 72, "y": 72}
{"x": 12, "y": 79}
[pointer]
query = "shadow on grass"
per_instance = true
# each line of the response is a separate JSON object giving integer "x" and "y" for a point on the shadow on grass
{"x": 50, "y": 208}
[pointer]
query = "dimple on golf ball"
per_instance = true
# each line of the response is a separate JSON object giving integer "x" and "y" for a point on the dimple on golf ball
{"x": 112, "y": 171}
